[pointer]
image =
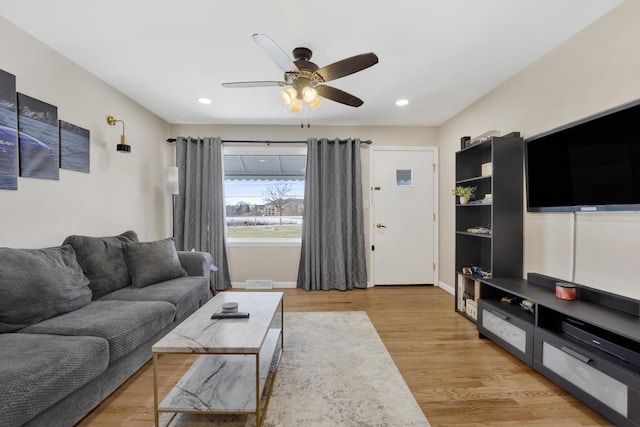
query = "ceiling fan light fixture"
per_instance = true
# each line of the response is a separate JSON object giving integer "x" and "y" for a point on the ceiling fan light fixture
{"x": 309, "y": 94}
{"x": 315, "y": 103}
{"x": 288, "y": 96}
{"x": 295, "y": 106}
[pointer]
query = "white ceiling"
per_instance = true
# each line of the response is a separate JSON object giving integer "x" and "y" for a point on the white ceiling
{"x": 442, "y": 55}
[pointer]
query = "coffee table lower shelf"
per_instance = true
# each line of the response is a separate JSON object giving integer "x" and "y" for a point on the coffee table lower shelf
{"x": 228, "y": 383}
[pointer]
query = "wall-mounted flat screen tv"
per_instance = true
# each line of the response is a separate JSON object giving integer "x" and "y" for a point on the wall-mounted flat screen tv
{"x": 587, "y": 166}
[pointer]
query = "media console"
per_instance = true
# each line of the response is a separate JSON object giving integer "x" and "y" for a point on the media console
{"x": 589, "y": 346}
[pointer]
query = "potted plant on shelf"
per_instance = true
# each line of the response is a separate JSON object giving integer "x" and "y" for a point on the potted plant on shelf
{"x": 465, "y": 193}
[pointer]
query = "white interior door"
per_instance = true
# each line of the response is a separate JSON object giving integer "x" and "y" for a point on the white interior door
{"x": 403, "y": 195}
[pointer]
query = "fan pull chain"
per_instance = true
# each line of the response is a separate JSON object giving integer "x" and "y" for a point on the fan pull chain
{"x": 304, "y": 107}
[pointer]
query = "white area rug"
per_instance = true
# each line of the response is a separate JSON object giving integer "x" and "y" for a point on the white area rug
{"x": 334, "y": 371}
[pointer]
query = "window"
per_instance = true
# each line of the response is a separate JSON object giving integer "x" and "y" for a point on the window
{"x": 264, "y": 191}
{"x": 403, "y": 177}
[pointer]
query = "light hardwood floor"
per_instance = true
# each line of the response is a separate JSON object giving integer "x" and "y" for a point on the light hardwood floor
{"x": 457, "y": 378}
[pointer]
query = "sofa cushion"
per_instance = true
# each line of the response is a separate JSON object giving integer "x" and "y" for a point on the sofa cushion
{"x": 36, "y": 284}
{"x": 102, "y": 260}
{"x": 124, "y": 324}
{"x": 187, "y": 294}
{"x": 38, "y": 370}
{"x": 153, "y": 262}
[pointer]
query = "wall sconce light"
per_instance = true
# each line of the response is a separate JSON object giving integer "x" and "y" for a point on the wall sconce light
{"x": 123, "y": 147}
{"x": 172, "y": 180}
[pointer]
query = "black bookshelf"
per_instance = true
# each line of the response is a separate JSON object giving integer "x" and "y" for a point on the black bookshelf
{"x": 500, "y": 251}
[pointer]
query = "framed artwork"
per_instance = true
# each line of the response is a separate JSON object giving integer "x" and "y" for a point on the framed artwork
{"x": 38, "y": 138}
{"x": 8, "y": 132}
{"x": 74, "y": 147}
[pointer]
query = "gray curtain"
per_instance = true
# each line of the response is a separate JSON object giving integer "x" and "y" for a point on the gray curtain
{"x": 199, "y": 216}
{"x": 333, "y": 252}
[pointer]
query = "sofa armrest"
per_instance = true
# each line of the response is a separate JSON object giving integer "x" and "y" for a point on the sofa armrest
{"x": 196, "y": 263}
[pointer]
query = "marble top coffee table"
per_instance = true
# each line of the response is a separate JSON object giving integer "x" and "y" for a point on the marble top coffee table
{"x": 239, "y": 357}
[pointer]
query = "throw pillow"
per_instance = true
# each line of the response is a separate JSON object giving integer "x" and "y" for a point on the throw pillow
{"x": 102, "y": 260}
{"x": 153, "y": 262}
{"x": 37, "y": 284}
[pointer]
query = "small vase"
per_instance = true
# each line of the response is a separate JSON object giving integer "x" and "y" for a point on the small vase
{"x": 463, "y": 200}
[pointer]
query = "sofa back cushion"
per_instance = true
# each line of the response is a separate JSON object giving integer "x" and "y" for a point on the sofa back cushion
{"x": 102, "y": 261}
{"x": 153, "y": 262}
{"x": 37, "y": 284}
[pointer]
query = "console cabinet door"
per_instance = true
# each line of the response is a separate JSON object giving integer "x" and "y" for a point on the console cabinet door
{"x": 510, "y": 332}
{"x": 603, "y": 384}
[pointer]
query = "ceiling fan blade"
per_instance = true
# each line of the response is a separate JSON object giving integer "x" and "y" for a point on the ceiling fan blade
{"x": 338, "y": 95}
{"x": 346, "y": 66}
{"x": 274, "y": 52}
{"x": 254, "y": 84}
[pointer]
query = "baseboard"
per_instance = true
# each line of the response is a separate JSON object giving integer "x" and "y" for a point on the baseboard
{"x": 293, "y": 285}
{"x": 446, "y": 287}
{"x": 276, "y": 285}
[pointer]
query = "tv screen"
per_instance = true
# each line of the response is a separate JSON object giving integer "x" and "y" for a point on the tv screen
{"x": 588, "y": 166}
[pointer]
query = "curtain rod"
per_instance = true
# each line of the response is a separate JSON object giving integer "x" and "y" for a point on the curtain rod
{"x": 253, "y": 141}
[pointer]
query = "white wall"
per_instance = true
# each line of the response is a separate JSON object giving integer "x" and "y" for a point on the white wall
{"x": 596, "y": 70}
{"x": 122, "y": 191}
{"x": 280, "y": 264}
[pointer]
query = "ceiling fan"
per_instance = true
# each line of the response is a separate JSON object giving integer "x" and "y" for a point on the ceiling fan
{"x": 304, "y": 79}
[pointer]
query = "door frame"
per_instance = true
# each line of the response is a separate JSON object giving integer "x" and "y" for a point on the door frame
{"x": 436, "y": 204}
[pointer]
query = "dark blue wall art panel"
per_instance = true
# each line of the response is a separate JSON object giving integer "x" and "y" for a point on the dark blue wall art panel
{"x": 74, "y": 147}
{"x": 8, "y": 132}
{"x": 38, "y": 138}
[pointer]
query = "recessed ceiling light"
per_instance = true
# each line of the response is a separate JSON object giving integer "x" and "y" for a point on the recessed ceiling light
{"x": 204, "y": 100}
{"x": 402, "y": 102}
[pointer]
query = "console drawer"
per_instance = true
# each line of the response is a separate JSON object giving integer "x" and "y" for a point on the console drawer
{"x": 507, "y": 328}
{"x": 606, "y": 386}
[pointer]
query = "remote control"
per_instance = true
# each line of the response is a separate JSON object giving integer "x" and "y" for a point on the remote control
{"x": 230, "y": 315}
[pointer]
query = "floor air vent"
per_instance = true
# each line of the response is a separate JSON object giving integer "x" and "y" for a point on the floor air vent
{"x": 259, "y": 284}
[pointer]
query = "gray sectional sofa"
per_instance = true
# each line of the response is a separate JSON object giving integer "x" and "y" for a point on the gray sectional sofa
{"x": 77, "y": 320}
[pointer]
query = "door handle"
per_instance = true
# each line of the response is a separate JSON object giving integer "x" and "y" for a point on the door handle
{"x": 500, "y": 315}
{"x": 580, "y": 357}
{"x": 378, "y": 225}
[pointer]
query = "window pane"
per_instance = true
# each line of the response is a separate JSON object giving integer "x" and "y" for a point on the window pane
{"x": 403, "y": 177}
{"x": 264, "y": 196}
